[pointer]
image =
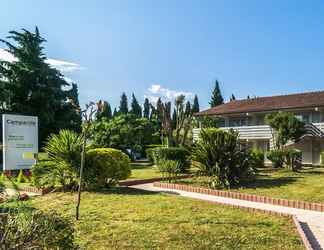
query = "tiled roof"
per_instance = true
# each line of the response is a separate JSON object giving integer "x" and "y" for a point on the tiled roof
{"x": 268, "y": 103}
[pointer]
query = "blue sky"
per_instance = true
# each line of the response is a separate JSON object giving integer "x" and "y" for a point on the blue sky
{"x": 252, "y": 47}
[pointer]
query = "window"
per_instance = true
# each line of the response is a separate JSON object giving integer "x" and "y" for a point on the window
{"x": 315, "y": 117}
{"x": 238, "y": 122}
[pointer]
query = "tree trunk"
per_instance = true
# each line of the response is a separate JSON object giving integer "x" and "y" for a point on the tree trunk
{"x": 80, "y": 180}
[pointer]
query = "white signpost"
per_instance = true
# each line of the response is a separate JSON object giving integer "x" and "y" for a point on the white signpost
{"x": 20, "y": 141}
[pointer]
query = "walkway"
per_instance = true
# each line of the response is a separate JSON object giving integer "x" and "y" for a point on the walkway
{"x": 311, "y": 221}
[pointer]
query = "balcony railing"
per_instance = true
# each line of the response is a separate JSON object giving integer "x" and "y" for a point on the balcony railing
{"x": 253, "y": 132}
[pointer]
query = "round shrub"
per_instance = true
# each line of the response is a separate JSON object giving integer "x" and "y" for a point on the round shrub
{"x": 256, "y": 158}
{"x": 105, "y": 166}
{"x": 180, "y": 155}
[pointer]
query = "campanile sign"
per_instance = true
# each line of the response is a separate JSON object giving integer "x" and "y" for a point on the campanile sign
{"x": 20, "y": 138}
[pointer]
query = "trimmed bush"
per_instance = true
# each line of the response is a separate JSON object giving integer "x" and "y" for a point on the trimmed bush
{"x": 180, "y": 155}
{"x": 106, "y": 166}
{"x": 256, "y": 158}
{"x": 277, "y": 157}
{"x": 149, "y": 151}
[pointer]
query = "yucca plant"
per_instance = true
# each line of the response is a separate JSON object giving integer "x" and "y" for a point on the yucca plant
{"x": 217, "y": 154}
{"x": 62, "y": 165}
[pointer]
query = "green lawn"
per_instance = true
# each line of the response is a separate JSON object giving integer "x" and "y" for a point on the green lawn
{"x": 144, "y": 171}
{"x": 129, "y": 219}
{"x": 307, "y": 185}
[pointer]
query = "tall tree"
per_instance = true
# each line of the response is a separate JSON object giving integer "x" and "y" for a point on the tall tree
{"x": 232, "y": 97}
{"x": 195, "y": 105}
{"x": 123, "y": 107}
{"x": 115, "y": 113}
{"x": 146, "y": 112}
{"x": 103, "y": 110}
{"x": 30, "y": 86}
{"x": 216, "y": 98}
{"x": 187, "y": 122}
{"x": 164, "y": 110}
{"x": 136, "y": 109}
{"x": 174, "y": 119}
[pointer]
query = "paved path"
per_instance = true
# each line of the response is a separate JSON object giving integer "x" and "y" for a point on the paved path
{"x": 311, "y": 221}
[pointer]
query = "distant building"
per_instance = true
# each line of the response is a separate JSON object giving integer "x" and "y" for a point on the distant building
{"x": 247, "y": 117}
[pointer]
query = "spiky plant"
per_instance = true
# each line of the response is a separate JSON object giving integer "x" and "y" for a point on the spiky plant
{"x": 64, "y": 155}
{"x": 218, "y": 154}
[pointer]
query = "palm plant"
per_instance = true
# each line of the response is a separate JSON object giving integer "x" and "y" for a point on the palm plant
{"x": 218, "y": 154}
{"x": 64, "y": 155}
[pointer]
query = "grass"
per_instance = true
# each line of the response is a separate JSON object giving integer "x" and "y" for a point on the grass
{"x": 306, "y": 185}
{"x": 125, "y": 218}
{"x": 144, "y": 171}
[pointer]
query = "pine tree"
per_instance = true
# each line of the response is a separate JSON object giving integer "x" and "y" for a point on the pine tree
{"x": 216, "y": 98}
{"x": 195, "y": 105}
{"x": 123, "y": 107}
{"x": 146, "y": 112}
{"x": 232, "y": 98}
{"x": 136, "y": 109}
{"x": 30, "y": 86}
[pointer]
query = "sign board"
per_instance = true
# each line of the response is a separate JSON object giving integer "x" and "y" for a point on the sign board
{"x": 20, "y": 139}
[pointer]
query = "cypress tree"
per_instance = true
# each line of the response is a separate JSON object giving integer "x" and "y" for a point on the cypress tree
{"x": 136, "y": 109}
{"x": 104, "y": 110}
{"x": 115, "y": 113}
{"x": 216, "y": 98}
{"x": 232, "y": 98}
{"x": 146, "y": 112}
{"x": 188, "y": 109}
{"x": 195, "y": 105}
{"x": 123, "y": 107}
{"x": 174, "y": 119}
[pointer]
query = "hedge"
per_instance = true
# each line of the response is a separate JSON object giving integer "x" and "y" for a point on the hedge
{"x": 106, "y": 166}
{"x": 178, "y": 154}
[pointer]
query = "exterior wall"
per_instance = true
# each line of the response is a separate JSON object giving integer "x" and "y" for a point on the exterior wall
{"x": 251, "y": 128}
{"x": 311, "y": 147}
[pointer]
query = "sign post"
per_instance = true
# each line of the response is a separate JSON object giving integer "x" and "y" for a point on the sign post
{"x": 20, "y": 140}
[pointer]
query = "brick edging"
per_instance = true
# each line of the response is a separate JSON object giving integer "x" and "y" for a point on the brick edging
{"x": 150, "y": 180}
{"x": 41, "y": 191}
{"x": 243, "y": 196}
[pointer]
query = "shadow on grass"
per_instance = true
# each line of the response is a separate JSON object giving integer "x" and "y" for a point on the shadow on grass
{"x": 124, "y": 190}
{"x": 270, "y": 183}
{"x": 141, "y": 166}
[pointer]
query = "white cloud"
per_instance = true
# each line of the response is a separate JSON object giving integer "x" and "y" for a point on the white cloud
{"x": 155, "y": 88}
{"x": 6, "y": 56}
{"x": 156, "y": 91}
{"x": 63, "y": 66}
